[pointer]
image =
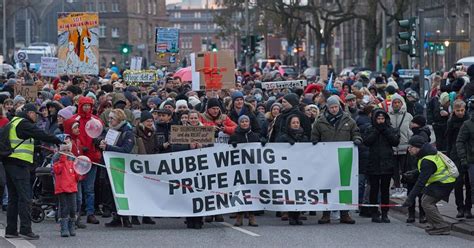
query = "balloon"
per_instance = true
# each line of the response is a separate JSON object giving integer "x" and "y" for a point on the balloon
{"x": 82, "y": 165}
{"x": 94, "y": 128}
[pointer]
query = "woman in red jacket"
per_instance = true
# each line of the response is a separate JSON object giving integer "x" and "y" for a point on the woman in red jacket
{"x": 66, "y": 188}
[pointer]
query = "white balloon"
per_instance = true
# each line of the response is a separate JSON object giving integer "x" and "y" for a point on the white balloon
{"x": 94, "y": 128}
{"x": 82, "y": 165}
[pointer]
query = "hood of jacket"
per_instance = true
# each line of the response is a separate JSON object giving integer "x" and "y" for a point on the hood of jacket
{"x": 403, "y": 109}
{"x": 427, "y": 149}
{"x": 378, "y": 112}
{"x": 68, "y": 128}
{"x": 83, "y": 101}
{"x": 423, "y": 131}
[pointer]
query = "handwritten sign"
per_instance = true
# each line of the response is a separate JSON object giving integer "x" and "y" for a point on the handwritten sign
{"x": 136, "y": 63}
{"x": 284, "y": 84}
{"x": 49, "y": 66}
{"x": 30, "y": 93}
{"x": 323, "y": 72}
{"x": 146, "y": 76}
{"x": 191, "y": 135}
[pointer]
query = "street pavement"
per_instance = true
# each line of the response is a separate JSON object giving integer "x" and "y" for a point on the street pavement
{"x": 272, "y": 232}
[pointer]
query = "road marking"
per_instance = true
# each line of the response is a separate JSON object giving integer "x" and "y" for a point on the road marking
{"x": 240, "y": 229}
{"x": 18, "y": 242}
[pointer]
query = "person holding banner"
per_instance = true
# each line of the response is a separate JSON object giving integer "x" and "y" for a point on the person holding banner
{"x": 294, "y": 133}
{"x": 335, "y": 125}
{"x": 290, "y": 106}
{"x": 124, "y": 143}
{"x": 244, "y": 134}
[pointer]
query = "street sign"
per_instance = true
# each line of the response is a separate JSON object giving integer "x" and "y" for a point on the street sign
{"x": 22, "y": 56}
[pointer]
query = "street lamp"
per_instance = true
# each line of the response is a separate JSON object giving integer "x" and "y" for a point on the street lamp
{"x": 446, "y": 43}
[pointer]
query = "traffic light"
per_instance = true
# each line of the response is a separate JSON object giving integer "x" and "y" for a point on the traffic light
{"x": 244, "y": 46}
{"x": 409, "y": 36}
{"x": 125, "y": 49}
{"x": 255, "y": 43}
{"x": 214, "y": 47}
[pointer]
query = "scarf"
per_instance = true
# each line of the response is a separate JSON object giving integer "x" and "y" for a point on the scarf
{"x": 120, "y": 125}
{"x": 296, "y": 134}
{"x": 333, "y": 119}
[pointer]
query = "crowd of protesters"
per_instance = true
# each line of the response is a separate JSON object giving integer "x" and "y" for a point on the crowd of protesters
{"x": 380, "y": 115}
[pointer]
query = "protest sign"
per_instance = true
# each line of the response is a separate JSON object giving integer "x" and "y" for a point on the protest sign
{"x": 167, "y": 59}
{"x": 145, "y": 76}
{"x": 192, "y": 134}
{"x": 223, "y": 179}
{"x": 167, "y": 40}
{"x": 213, "y": 70}
{"x": 136, "y": 64}
{"x": 49, "y": 66}
{"x": 323, "y": 72}
{"x": 284, "y": 84}
{"x": 78, "y": 43}
{"x": 30, "y": 92}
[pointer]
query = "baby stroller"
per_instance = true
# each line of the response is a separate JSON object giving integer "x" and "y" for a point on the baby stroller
{"x": 44, "y": 201}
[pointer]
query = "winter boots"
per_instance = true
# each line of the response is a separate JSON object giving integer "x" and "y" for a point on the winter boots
{"x": 294, "y": 218}
{"x": 72, "y": 227}
{"x": 252, "y": 219}
{"x": 116, "y": 221}
{"x": 239, "y": 219}
{"x": 64, "y": 223}
{"x": 79, "y": 223}
{"x": 326, "y": 219}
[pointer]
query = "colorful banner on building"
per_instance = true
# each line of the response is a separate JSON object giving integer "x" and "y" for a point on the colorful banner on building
{"x": 78, "y": 43}
{"x": 167, "y": 40}
{"x": 224, "y": 179}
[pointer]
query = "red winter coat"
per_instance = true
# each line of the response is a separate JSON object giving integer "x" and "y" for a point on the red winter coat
{"x": 76, "y": 142}
{"x": 65, "y": 176}
{"x": 91, "y": 151}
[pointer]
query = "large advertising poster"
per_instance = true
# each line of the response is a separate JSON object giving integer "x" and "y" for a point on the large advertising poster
{"x": 78, "y": 43}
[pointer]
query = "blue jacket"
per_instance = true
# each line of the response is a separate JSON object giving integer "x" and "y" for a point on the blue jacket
{"x": 125, "y": 142}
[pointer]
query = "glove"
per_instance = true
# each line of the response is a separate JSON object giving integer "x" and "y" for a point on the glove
{"x": 263, "y": 141}
{"x": 292, "y": 142}
{"x": 357, "y": 142}
{"x": 234, "y": 145}
{"x": 315, "y": 143}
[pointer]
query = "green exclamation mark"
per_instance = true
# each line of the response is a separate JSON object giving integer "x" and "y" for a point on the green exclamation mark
{"x": 345, "y": 171}
{"x": 117, "y": 169}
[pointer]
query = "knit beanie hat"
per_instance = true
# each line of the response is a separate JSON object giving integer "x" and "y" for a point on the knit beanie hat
{"x": 292, "y": 99}
{"x": 417, "y": 141}
{"x": 170, "y": 103}
{"x": 419, "y": 120}
{"x": 333, "y": 100}
{"x": 181, "y": 103}
{"x": 236, "y": 95}
{"x": 18, "y": 99}
{"x": 444, "y": 98}
{"x": 276, "y": 104}
{"x": 243, "y": 117}
{"x": 213, "y": 102}
{"x": 145, "y": 115}
{"x": 67, "y": 112}
{"x": 136, "y": 114}
{"x": 193, "y": 101}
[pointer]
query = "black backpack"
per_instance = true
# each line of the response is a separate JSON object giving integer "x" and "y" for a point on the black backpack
{"x": 5, "y": 146}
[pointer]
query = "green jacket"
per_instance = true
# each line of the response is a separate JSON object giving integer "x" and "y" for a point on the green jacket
{"x": 346, "y": 130}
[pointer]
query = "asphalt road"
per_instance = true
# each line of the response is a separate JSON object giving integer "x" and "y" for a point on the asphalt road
{"x": 271, "y": 233}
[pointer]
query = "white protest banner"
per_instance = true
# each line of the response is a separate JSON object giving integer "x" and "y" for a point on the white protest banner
{"x": 49, "y": 66}
{"x": 145, "y": 76}
{"x": 223, "y": 179}
{"x": 284, "y": 84}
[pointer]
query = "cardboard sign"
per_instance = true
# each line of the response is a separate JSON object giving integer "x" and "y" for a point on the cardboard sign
{"x": 191, "y": 135}
{"x": 323, "y": 72}
{"x": 78, "y": 43}
{"x": 284, "y": 84}
{"x": 167, "y": 59}
{"x": 213, "y": 70}
{"x": 136, "y": 63}
{"x": 49, "y": 66}
{"x": 167, "y": 40}
{"x": 145, "y": 76}
{"x": 30, "y": 93}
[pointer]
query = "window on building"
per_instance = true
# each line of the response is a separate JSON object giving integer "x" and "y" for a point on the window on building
{"x": 115, "y": 33}
{"x": 154, "y": 6}
{"x": 139, "y": 6}
{"x": 197, "y": 26}
{"x": 115, "y": 7}
{"x": 215, "y": 26}
{"x": 197, "y": 14}
{"x": 90, "y": 7}
{"x": 102, "y": 30}
{"x": 177, "y": 14}
{"x": 149, "y": 7}
{"x": 102, "y": 7}
{"x": 177, "y": 25}
{"x": 140, "y": 31}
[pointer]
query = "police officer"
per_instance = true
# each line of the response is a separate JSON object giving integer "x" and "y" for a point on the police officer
{"x": 23, "y": 133}
{"x": 434, "y": 181}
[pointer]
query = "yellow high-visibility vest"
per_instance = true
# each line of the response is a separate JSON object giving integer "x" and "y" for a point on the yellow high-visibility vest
{"x": 26, "y": 149}
{"x": 441, "y": 174}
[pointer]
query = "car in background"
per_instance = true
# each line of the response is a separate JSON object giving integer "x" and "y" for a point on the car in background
{"x": 311, "y": 72}
{"x": 466, "y": 61}
{"x": 263, "y": 62}
{"x": 50, "y": 49}
{"x": 290, "y": 71}
{"x": 32, "y": 56}
{"x": 354, "y": 69}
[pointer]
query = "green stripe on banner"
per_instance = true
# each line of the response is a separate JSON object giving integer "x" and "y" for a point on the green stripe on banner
{"x": 345, "y": 196}
{"x": 345, "y": 165}
{"x": 122, "y": 203}
{"x": 118, "y": 177}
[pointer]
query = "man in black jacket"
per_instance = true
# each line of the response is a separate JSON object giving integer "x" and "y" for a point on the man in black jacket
{"x": 290, "y": 103}
{"x": 434, "y": 181}
{"x": 23, "y": 133}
